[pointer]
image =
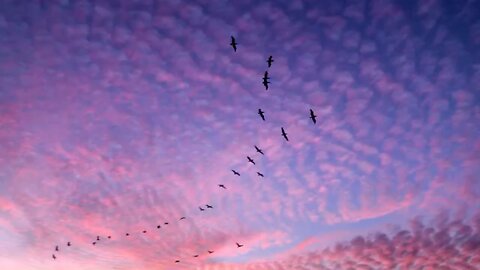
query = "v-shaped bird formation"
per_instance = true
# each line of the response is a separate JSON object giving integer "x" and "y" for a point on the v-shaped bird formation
{"x": 205, "y": 207}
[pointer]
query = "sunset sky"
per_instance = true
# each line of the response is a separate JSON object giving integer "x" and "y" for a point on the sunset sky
{"x": 118, "y": 116}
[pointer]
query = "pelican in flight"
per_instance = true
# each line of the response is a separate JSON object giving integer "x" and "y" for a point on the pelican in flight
{"x": 262, "y": 114}
{"x": 284, "y": 134}
{"x": 265, "y": 80}
{"x": 270, "y": 61}
{"x": 313, "y": 116}
{"x": 233, "y": 44}
{"x": 259, "y": 150}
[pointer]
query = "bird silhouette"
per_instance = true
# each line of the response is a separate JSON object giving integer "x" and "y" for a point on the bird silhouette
{"x": 250, "y": 160}
{"x": 158, "y": 226}
{"x": 208, "y": 206}
{"x": 94, "y": 243}
{"x": 222, "y": 186}
{"x": 265, "y": 83}
{"x": 98, "y": 238}
{"x": 177, "y": 261}
{"x": 235, "y": 172}
{"x": 165, "y": 223}
{"x": 262, "y": 114}
{"x": 265, "y": 80}
{"x": 260, "y": 174}
{"x": 68, "y": 244}
{"x": 144, "y": 231}
{"x": 210, "y": 251}
{"x": 109, "y": 237}
{"x": 270, "y": 61}
{"x": 127, "y": 234}
{"x": 182, "y": 218}
{"x": 233, "y": 44}
{"x": 284, "y": 134}
{"x": 313, "y": 116}
{"x": 238, "y": 245}
{"x": 259, "y": 150}
{"x": 54, "y": 257}
{"x": 201, "y": 209}
{"x": 195, "y": 256}
{"x": 56, "y": 248}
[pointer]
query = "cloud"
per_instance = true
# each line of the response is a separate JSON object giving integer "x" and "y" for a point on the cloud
{"x": 445, "y": 243}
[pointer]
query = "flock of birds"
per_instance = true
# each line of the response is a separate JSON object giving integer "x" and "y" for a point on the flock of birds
{"x": 259, "y": 150}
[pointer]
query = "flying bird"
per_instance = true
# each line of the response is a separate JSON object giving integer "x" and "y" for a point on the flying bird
{"x": 265, "y": 83}
{"x": 127, "y": 234}
{"x": 222, "y": 186}
{"x": 54, "y": 257}
{"x": 210, "y": 251}
{"x": 182, "y": 218}
{"x": 201, "y": 209}
{"x": 195, "y": 256}
{"x": 238, "y": 245}
{"x": 208, "y": 206}
{"x": 233, "y": 44}
{"x": 270, "y": 61}
{"x": 262, "y": 114}
{"x": 235, "y": 172}
{"x": 259, "y": 150}
{"x": 56, "y": 248}
{"x": 265, "y": 80}
{"x": 250, "y": 160}
{"x": 98, "y": 238}
{"x": 158, "y": 227}
{"x": 144, "y": 231}
{"x": 165, "y": 223}
{"x": 260, "y": 174}
{"x": 94, "y": 243}
{"x": 109, "y": 237}
{"x": 313, "y": 116}
{"x": 68, "y": 244}
{"x": 177, "y": 261}
{"x": 284, "y": 134}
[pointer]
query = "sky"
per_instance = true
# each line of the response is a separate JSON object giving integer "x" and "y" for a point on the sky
{"x": 119, "y": 116}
